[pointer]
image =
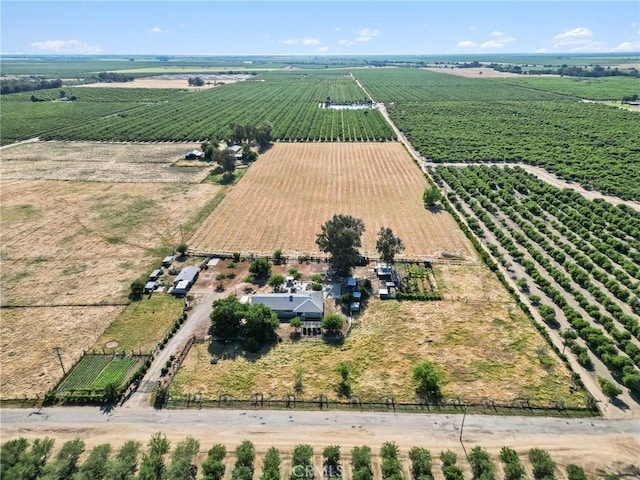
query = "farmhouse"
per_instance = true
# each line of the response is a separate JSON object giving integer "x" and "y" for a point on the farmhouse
{"x": 237, "y": 151}
{"x": 306, "y": 305}
{"x": 188, "y": 274}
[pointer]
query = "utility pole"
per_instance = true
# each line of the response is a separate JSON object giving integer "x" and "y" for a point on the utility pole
{"x": 57, "y": 349}
{"x": 464, "y": 415}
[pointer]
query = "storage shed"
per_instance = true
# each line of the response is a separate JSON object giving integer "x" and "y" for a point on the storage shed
{"x": 181, "y": 288}
{"x": 157, "y": 273}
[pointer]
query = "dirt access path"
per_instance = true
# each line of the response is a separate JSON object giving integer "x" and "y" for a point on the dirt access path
{"x": 197, "y": 324}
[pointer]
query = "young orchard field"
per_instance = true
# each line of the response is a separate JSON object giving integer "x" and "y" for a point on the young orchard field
{"x": 581, "y": 256}
{"x": 293, "y": 189}
{"x": 314, "y": 457}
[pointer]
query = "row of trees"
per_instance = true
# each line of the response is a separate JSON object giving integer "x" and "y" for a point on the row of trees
{"x": 25, "y": 460}
{"x": 261, "y": 134}
{"x": 341, "y": 237}
{"x": 27, "y": 85}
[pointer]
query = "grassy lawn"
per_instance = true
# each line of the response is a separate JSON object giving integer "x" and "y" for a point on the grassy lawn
{"x": 142, "y": 324}
{"x": 484, "y": 350}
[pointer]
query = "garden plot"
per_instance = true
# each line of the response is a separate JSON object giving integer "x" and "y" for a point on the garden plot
{"x": 284, "y": 198}
{"x": 67, "y": 244}
{"x": 103, "y": 162}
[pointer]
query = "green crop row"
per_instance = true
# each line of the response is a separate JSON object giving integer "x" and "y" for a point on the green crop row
{"x": 290, "y": 102}
{"x": 95, "y": 372}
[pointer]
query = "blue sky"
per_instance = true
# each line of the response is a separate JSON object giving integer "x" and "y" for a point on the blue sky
{"x": 318, "y": 27}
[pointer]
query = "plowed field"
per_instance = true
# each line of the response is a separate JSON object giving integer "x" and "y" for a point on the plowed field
{"x": 293, "y": 189}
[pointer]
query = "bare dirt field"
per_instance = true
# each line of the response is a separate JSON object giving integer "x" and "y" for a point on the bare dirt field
{"x": 483, "y": 72}
{"x": 485, "y": 346}
{"x": 293, "y": 189}
{"x": 103, "y": 162}
{"x": 154, "y": 83}
{"x": 77, "y": 243}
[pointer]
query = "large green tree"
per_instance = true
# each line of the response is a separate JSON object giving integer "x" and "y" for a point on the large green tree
{"x": 226, "y": 159}
{"x": 388, "y": 245}
{"x": 431, "y": 196}
{"x": 427, "y": 379}
{"x": 341, "y": 236}
{"x": 261, "y": 324}
{"x": 332, "y": 322}
{"x": 226, "y": 317}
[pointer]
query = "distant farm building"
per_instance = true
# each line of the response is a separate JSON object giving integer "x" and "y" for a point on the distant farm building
{"x": 194, "y": 155}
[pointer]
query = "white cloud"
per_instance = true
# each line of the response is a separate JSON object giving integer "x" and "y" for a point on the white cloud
{"x": 157, "y": 31}
{"x": 577, "y": 40}
{"x": 473, "y": 28}
{"x": 498, "y": 40}
{"x": 301, "y": 41}
{"x": 66, "y": 46}
{"x": 322, "y": 49}
{"x": 367, "y": 34}
{"x": 362, "y": 35}
{"x": 491, "y": 44}
{"x": 627, "y": 47}
{"x": 574, "y": 35}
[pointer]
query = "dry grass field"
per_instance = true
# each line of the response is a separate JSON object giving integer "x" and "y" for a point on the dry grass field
{"x": 76, "y": 243}
{"x": 100, "y": 162}
{"x": 485, "y": 347}
{"x": 483, "y": 72}
{"x": 294, "y": 188}
{"x": 155, "y": 82}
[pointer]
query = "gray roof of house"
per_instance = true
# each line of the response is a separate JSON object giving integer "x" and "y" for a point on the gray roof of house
{"x": 187, "y": 273}
{"x": 301, "y": 302}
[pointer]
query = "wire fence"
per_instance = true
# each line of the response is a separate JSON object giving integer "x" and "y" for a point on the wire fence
{"x": 258, "y": 402}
